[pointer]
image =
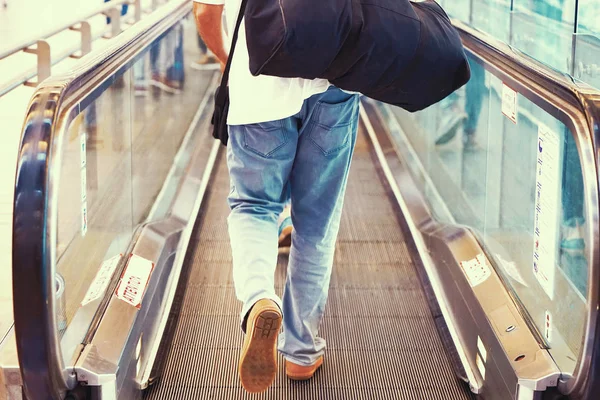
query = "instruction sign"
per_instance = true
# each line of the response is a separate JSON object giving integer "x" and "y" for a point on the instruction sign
{"x": 548, "y": 322}
{"x": 134, "y": 280}
{"x": 83, "y": 175}
{"x": 547, "y": 208}
{"x": 509, "y": 103}
{"x": 102, "y": 279}
{"x": 477, "y": 270}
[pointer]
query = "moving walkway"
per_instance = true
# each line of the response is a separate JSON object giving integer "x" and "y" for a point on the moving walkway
{"x": 457, "y": 272}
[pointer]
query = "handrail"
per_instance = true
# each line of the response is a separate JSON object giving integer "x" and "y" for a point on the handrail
{"x": 585, "y": 382}
{"x": 53, "y": 106}
{"x": 37, "y": 44}
{"x": 61, "y": 26}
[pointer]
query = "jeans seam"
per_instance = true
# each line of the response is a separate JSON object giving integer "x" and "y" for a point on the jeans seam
{"x": 343, "y": 125}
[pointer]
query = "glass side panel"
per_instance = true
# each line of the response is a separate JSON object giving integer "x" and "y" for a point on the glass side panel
{"x": 544, "y": 30}
{"x": 460, "y": 10}
{"x": 517, "y": 184}
{"x": 587, "y": 47}
{"x": 94, "y": 201}
{"x": 535, "y": 221}
{"x": 117, "y": 168}
{"x": 165, "y": 100}
{"x": 492, "y": 17}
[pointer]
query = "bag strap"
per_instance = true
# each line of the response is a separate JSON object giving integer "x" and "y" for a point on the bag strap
{"x": 225, "y": 78}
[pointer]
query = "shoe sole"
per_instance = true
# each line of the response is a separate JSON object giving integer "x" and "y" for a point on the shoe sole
{"x": 305, "y": 377}
{"x": 285, "y": 238}
{"x": 258, "y": 363}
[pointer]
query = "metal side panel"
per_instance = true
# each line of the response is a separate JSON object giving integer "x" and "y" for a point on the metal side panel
{"x": 382, "y": 339}
{"x": 122, "y": 326}
{"x": 502, "y": 357}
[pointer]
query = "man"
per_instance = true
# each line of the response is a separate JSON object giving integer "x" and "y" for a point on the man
{"x": 285, "y": 136}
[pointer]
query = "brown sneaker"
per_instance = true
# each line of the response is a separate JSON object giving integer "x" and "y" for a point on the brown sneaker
{"x": 258, "y": 363}
{"x": 300, "y": 372}
{"x": 285, "y": 237}
{"x": 285, "y": 227}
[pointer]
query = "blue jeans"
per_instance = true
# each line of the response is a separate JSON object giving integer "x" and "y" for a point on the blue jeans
{"x": 307, "y": 154}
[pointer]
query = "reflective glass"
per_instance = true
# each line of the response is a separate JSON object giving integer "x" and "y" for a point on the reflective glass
{"x": 587, "y": 50}
{"x": 94, "y": 201}
{"x": 535, "y": 224}
{"x": 440, "y": 135}
{"x": 492, "y": 17}
{"x": 544, "y": 30}
{"x": 517, "y": 184}
{"x": 121, "y": 164}
{"x": 165, "y": 100}
{"x": 460, "y": 10}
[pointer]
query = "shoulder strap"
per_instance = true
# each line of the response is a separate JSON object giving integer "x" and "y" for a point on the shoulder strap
{"x": 225, "y": 78}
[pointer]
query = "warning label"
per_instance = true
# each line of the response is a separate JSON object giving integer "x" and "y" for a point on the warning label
{"x": 102, "y": 279}
{"x": 134, "y": 281}
{"x": 477, "y": 270}
{"x": 548, "y": 327}
{"x": 83, "y": 165}
{"x": 547, "y": 208}
{"x": 509, "y": 103}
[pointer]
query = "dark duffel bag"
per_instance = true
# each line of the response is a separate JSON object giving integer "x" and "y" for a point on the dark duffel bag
{"x": 396, "y": 51}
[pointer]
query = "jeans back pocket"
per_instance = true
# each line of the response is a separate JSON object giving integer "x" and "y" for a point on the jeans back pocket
{"x": 265, "y": 138}
{"x": 333, "y": 125}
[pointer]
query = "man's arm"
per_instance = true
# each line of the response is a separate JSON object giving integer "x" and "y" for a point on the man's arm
{"x": 208, "y": 22}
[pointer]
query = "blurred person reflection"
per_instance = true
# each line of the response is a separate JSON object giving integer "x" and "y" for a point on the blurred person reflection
{"x": 207, "y": 60}
{"x": 573, "y": 260}
{"x": 163, "y": 62}
{"x": 468, "y": 118}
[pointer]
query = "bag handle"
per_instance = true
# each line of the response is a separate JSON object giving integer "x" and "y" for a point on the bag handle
{"x": 225, "y": 78}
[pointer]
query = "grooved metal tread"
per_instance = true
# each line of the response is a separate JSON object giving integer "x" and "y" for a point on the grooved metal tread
{"x": 382, "y": 340}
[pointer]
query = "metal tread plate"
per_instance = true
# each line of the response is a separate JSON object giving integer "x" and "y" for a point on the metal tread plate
{"x": 382, "y": 339}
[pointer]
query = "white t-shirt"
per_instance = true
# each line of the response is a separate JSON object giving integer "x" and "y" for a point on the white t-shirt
{"x": 254, "y": 99}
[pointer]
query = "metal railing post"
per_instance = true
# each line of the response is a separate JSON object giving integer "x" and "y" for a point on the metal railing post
{"x": 44, "y": 62}
{"x": 85, "y": 29}
{"x": 115, "y": 21}
{"x": 137, "y": 4}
